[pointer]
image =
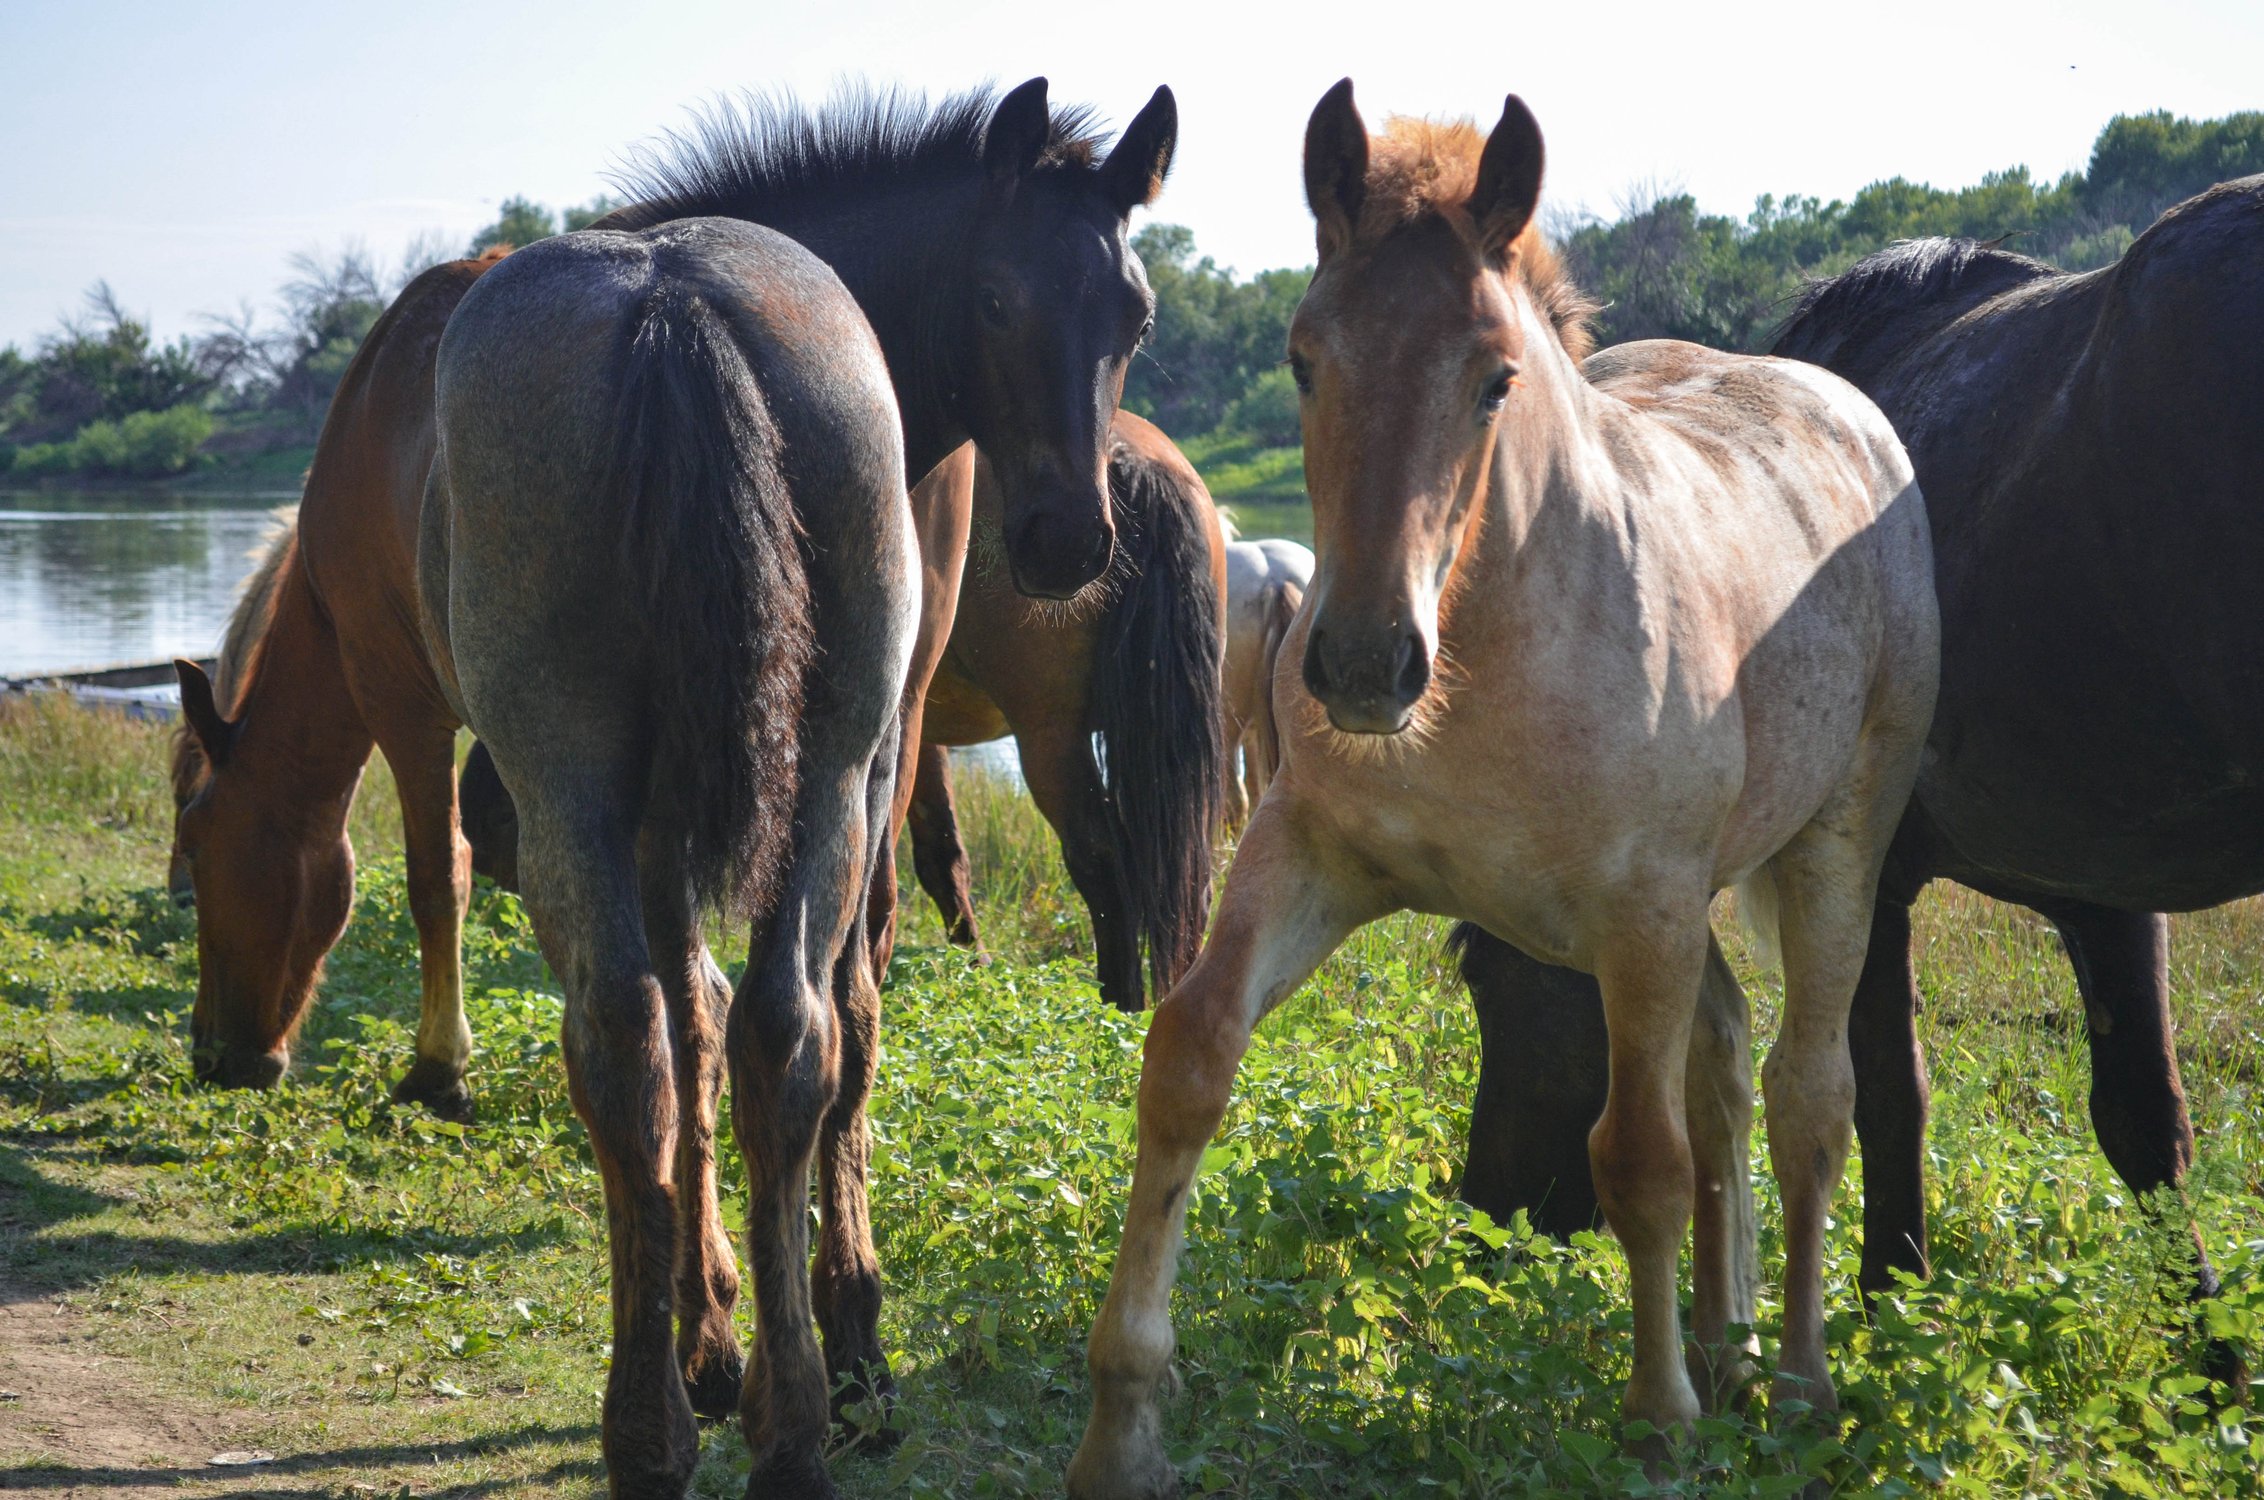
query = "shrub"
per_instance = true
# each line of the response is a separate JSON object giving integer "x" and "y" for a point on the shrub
{"x": 143, "y": 445}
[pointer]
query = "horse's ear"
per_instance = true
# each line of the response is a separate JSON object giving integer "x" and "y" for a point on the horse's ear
{"x": 1509, "y": 178}
{"x": 215, "y": 735}
{"x": 1019, "y": 130}
{"x": 1135, "y": 170}
{"x": 1336, "y": 166}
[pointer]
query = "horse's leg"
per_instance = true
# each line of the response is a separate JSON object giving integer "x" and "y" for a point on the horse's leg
{"x": 1718, "y": 1103}
{"x": 1543, "y": 1065}
{"x": 1283, "y": 912}
{"x": 1640, "y": 1150}
{"x": 1057, "y": 763}
{"x": 440, "y": 888}
{"x": 938, "y": 856}
{"x": 845, "y": 1284}
{"x": 579, "y": 865}
{"x": 2122, "y": 966}
{"x": 1826, "y": 886}
{"x": 785, "y": 1047}
{"x": 699, "y": 1002}
{"x": 1892, "y": 1097}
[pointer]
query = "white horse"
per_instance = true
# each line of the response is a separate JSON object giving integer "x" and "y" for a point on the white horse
{"x": 1265, "y": 582}
{"x": 1585, "y": 646}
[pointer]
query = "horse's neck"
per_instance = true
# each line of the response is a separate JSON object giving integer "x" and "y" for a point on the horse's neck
{"x": 301, "y": 738}
{"x": 1556, "y": 516}
{"x": 904, "y": 260}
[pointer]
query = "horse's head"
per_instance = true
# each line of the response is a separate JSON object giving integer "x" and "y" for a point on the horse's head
{"x": 1055, "y": 304}
{"x": 1409, "y": 350}
{"x": 272, "y": 891}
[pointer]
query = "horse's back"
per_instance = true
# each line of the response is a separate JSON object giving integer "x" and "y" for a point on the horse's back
{"x": 1787, "y": 531}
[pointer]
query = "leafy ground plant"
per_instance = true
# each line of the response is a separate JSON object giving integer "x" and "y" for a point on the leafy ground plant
{"x": 392, "y": 1304}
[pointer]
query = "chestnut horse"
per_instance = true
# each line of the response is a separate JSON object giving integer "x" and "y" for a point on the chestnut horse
{"x": 983, "y": 243}
{"x": 1130, "y": 669}
{"x": 1580, "y": 652}
{"x": 2099, "y": 749}
{"x": 1265, "y": 586}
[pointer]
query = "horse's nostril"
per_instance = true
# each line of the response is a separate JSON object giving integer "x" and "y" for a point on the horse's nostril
{"x": 1316, "y": 663}
{"x": 1411, "y": 669}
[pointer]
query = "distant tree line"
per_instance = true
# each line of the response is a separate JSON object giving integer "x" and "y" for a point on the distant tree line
{"x": 101, "y": 396}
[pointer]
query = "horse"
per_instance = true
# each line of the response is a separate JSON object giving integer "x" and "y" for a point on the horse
{"x": 982, "y": 245}
{"x": 1582, "y": 648}
{"x": 2090, "y": 456}
{"x": 1129, "y": 669}
{"x": 1265, "y": 584}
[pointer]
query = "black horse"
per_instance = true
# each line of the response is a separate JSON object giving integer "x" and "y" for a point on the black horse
{"x": 2091, "y": 448}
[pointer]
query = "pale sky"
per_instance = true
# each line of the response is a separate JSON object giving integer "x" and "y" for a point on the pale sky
{"x": 184, "y": 150}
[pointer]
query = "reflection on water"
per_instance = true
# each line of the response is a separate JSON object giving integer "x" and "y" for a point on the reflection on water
{"x": 95, "y": 578}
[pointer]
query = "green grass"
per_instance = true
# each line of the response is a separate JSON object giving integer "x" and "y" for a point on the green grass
{"x": 391, "y": 1302}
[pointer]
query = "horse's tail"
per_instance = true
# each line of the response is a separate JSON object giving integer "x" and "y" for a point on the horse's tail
{"x": 1156, "y": 705}
{"x": 715, "y": 563}
{"x": 1281, "y": 602}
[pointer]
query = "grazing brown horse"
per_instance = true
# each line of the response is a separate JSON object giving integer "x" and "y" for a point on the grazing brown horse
{"x": 1580, "y": 651}
{"x": 2093, "y": 464}
{"x": 1265, "y": 586}
{"x": 1129, "y": 669}
{"x": 646, "y": 413}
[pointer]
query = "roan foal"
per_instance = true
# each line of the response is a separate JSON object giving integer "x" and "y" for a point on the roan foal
{"x": 1580, "y": 653}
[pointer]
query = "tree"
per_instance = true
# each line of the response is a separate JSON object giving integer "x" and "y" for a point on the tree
{"x": 521, "y": 222}
{"x": 1215, "y": 334}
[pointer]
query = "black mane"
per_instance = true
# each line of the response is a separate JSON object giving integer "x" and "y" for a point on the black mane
{"x": 764, "y": 155}
{"x": 1885, "y": 292}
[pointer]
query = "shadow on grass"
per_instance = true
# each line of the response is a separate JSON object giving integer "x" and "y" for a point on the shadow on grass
{"x": 39, "y": 1259}
{"x": 328, "y": 1470}
{"x": 146, "y": 917}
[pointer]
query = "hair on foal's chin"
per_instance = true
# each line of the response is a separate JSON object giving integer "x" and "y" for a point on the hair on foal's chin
{"x": 1423, "y": 720}
{"x": 1421, "y": 168}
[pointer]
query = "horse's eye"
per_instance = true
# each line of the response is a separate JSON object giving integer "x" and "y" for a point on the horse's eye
{"x": 1147, "y": 332}
{"x": 1302, "y": 373}
{"x": 994, "y": 309}
{"x": 1497, "y": 391}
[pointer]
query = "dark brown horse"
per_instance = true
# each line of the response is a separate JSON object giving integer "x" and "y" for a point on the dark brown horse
{"x": 1113, "y": 702}
{"x": 2093, "y": 465}
{"x": 688, "y": 395}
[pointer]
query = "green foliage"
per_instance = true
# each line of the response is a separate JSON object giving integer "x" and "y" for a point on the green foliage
{"x": 144, "y": 445}
{"x": 521, "y": 221}
{"x": 397, "y": 1301}
{"x": 1215, "y": 334}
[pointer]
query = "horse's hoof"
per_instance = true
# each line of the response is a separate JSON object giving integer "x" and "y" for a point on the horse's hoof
{"x": 713, "y": 1383}
{"x": 791, "y": 1477}
{"x": 1141, "y": 1474}
{"x": 439, "y": 1088}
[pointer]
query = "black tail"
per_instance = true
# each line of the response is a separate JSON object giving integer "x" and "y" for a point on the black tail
{"x": 1156, "y": 704}
{"x": 714, "y": 552}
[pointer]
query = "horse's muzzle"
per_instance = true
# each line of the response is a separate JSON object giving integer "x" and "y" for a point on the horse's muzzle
{"x": 237, "y": 1068}
{"x": 1369, "y": 682}
{"x": 1056, "y": 556}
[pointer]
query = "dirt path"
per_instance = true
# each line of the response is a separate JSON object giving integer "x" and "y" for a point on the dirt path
{"x": 75, "y": 1421}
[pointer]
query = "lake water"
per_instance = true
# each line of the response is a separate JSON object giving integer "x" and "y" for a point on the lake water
{"x": 98, "y": 578}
